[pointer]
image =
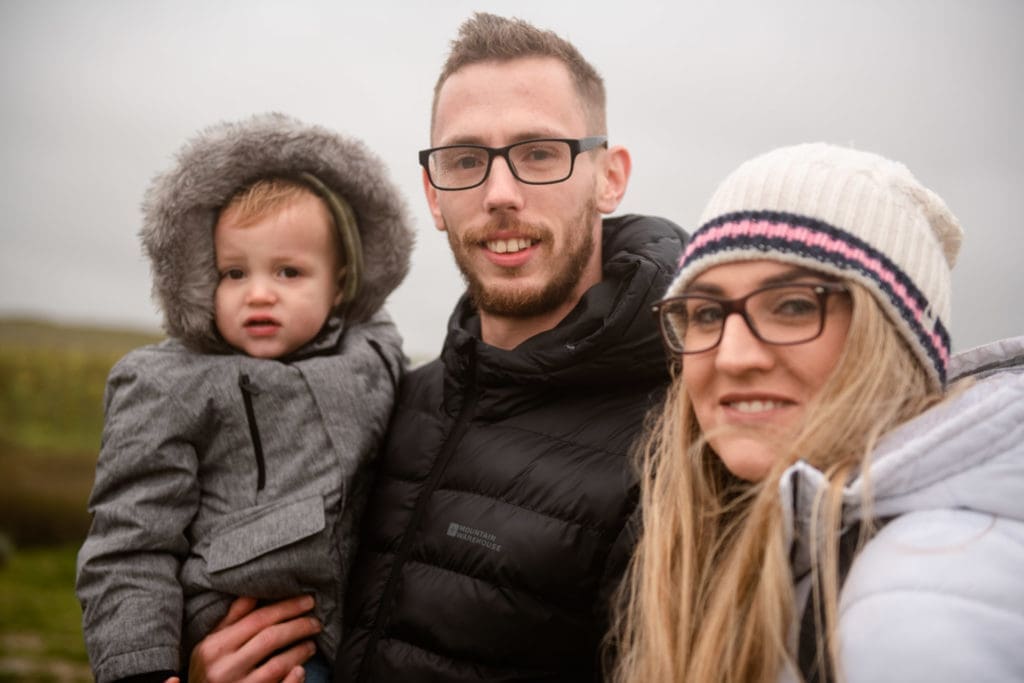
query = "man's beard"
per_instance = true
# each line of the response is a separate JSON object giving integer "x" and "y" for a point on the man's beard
{"x": 567, "y": 269}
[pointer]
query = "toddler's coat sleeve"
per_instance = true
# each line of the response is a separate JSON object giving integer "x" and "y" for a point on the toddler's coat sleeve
{"x": 143, "y": 499}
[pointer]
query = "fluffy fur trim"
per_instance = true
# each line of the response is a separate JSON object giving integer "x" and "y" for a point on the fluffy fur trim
{"x": 181, "y": 208}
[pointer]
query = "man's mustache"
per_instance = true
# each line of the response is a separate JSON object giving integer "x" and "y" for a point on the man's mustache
{"x": 505, "y": 223}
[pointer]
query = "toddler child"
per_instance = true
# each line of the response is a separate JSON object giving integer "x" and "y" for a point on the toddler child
{"x": 233, "y": 454}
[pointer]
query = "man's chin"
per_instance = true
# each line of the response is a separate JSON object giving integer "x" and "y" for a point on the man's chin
{"x": 518, "y": 302}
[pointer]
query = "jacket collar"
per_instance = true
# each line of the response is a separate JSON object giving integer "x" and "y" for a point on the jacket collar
{"x": 325, "y": 342}
{"x": 609, "y": 338}
{"x": 967, "y": 452}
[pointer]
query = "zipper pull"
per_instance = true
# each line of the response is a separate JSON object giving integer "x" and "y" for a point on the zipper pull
{"x": 247, "y": 386}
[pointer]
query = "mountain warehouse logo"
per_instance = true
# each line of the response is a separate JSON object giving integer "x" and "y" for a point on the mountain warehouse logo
{"x": 468, "y": 533}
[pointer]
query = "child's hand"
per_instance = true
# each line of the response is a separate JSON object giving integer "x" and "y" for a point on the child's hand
{"x": 239, "y": 648}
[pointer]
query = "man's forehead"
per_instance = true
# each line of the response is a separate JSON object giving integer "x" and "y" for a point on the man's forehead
{"x": 498, "y": 103}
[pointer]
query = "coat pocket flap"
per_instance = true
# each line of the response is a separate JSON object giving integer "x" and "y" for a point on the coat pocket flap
{"x": 265, "y": 529}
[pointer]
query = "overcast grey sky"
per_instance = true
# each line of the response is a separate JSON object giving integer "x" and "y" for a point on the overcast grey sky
{"x": 98, "y": 96}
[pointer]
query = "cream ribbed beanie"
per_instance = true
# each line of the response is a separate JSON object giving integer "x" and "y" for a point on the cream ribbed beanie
{"x": 847, "y": 213}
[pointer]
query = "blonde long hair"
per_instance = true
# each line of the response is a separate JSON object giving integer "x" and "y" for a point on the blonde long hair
{"x": 709, "y": 593}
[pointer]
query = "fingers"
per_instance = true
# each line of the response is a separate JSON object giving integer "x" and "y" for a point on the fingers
{"x": 242, "y": 666}
{"x": 243, "y": 623}
{"x": 285, "y": 666}
{"x": 239, "y": 648}
{"x": 296, "y": 675}
{"x": 239, "y": 608}
{"x": 275, "y": 637}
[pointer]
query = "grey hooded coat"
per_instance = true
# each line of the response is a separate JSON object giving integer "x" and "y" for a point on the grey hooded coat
{"x": 219, "y": 474}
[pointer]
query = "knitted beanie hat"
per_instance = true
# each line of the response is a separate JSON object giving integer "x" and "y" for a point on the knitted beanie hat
{"x": 846, "y": 213}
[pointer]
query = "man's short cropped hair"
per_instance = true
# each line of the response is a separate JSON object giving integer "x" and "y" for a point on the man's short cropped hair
{"x": 487, "y": 37}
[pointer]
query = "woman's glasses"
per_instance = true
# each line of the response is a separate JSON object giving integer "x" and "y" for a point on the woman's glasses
{"x": 777, "y": 314}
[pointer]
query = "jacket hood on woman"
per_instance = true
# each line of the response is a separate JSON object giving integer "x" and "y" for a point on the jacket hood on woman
{"x": 182, "y": 205}
{"x": 946, "y": 569}
{"x": 965, "y": 453}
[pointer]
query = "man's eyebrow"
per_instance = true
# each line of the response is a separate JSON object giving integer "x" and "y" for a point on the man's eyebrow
{"x": 519, "y": 137}
{"x": 536, "y": 135}
{"x": 785, "y": 277}
{"x": 463, "y": 140}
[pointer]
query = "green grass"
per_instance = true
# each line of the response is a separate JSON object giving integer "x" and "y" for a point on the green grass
{"x": 29, "y": 332}
{"x": 51, "y": 416}
{"x": 40, "y": 620}
{"x": 43, "y": 495}
{"x": 51, "y": 383}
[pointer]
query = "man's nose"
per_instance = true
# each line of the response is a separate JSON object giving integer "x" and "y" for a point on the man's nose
{"x": 501, "y": 189}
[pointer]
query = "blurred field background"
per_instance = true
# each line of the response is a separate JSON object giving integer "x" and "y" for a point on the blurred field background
{"x": 51, "y": 415}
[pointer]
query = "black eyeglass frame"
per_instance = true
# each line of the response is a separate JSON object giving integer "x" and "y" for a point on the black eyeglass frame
{"x": 576, "y": 147}
{"x": 823, "y": 290}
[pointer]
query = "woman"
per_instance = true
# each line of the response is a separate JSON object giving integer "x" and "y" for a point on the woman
{"x": 813, "y": 429}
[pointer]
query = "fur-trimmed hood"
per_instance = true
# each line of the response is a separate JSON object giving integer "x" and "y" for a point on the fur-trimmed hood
{"x": 181, "y": 208}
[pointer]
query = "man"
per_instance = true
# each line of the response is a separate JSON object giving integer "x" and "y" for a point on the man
{"x": 489, "y": 547}
{"x": 496, "y": 529}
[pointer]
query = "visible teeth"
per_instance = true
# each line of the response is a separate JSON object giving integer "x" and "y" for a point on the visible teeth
{"x": 755, "y": 406}
{"x": 510, "y": 246}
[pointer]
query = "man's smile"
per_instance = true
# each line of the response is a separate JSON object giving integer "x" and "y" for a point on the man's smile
{"x": 509, "y": 246}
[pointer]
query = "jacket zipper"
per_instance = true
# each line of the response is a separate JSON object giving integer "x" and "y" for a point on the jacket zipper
{"x": 248, "y": 390}
{"x": 440, "y": 465}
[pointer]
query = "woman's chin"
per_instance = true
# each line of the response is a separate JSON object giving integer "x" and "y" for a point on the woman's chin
{"x": 749, "y": 458}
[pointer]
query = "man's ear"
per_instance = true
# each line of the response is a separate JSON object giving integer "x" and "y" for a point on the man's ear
{"x": 613, "y": 177}
{"x": 431, "y": 193}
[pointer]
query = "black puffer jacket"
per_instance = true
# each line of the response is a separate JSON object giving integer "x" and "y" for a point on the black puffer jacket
{"x": 495, "y": 532}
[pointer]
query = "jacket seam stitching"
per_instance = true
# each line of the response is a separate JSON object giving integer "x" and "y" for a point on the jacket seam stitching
{"x": 596, "y": 529}
{"x": 566, "y": 442}
{"x": 457, "y": 572}
{"x": 457, "y": 658}
{"x": 489, "y": 582}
